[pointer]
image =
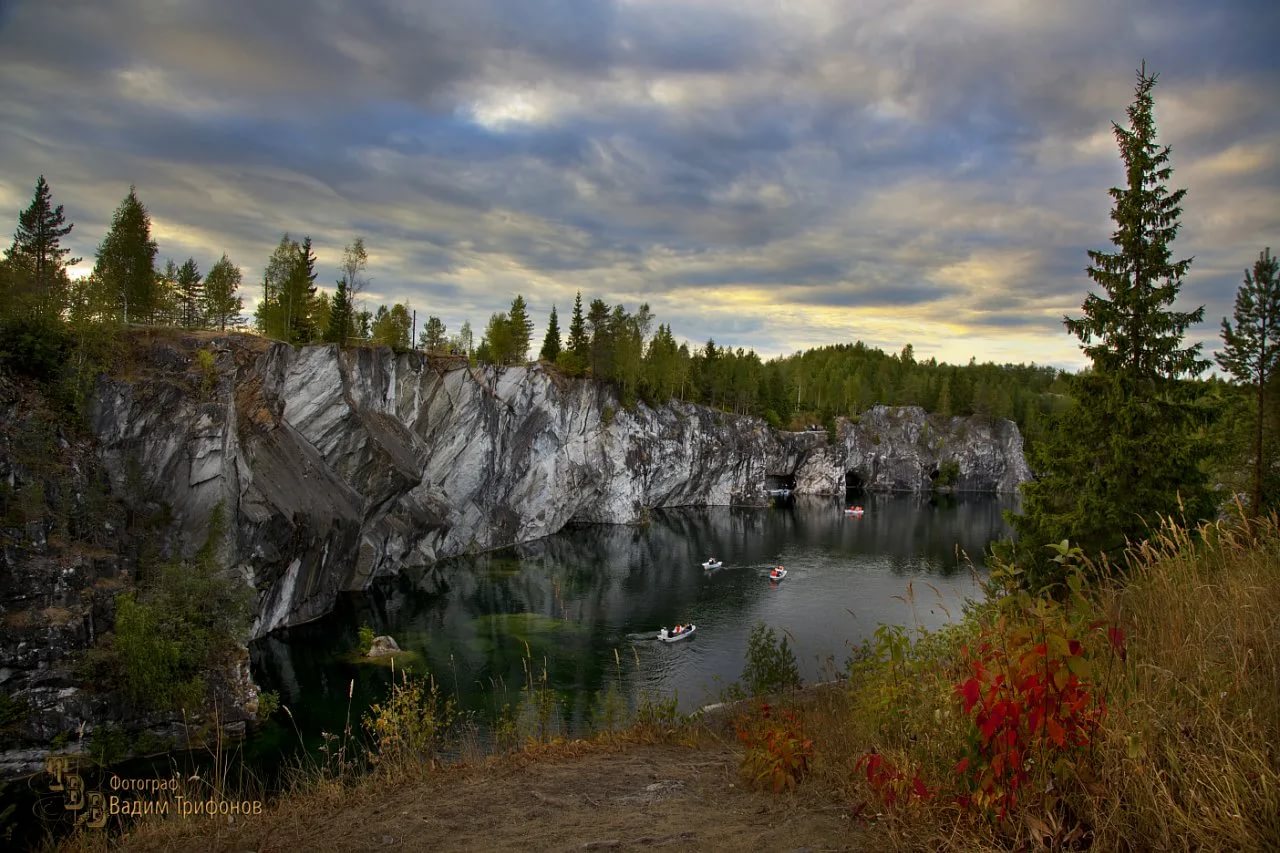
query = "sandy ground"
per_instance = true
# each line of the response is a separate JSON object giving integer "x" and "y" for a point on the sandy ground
{"x": 629, "y": 797}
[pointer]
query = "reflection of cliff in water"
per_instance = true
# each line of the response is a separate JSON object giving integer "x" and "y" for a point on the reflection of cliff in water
{"x": 567, "y": 601}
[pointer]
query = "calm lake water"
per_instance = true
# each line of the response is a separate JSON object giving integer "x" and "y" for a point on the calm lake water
{"x": 583, "y": 606}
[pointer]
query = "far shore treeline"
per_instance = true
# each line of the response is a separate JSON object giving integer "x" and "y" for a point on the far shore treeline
{"x": 1137, "y": 435}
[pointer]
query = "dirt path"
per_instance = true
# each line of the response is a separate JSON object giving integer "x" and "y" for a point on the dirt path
{"x": 627, "y": 798}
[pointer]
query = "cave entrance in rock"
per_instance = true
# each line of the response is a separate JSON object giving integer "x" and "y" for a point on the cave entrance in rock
{"x": 853, "y": 483}
{"x": 779, "y": 481}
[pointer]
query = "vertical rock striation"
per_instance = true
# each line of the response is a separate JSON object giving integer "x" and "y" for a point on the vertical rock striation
{"x": 333, "y": 467}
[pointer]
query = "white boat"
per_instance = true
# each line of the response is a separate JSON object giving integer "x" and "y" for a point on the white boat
{"x": 854, "y": 511}
{"x": 778, "y": 574}
{"x": 666, "y": 637}
{"x": 713, "y": 564}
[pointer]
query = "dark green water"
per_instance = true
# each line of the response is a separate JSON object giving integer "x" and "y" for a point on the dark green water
{"x": 583, "y": 605}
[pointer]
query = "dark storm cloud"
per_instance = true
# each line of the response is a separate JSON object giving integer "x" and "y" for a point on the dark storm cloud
{"x": 845, "y": 170}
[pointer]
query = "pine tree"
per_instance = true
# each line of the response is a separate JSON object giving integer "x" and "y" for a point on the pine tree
{"x": 299, "y": 295}
{"x": 1252, "y": 349}
{"x": 600, "y": 347}
{"x": 363, "y": 324}
{"x": 190, "y": 293}
{"x": 321, "y": 314}
{"x": 521, "y": 330}
{"x": 433, "y": 337}
{"x": 222, "y": 304}
{"x": 340, "y": 327}
{"x": 551, "y": 343}
{"x": 37, "y": 262}
{"x": 1125, "y": 453}
{"x": 125, "y": 268}
{"x": 578, "y": 347}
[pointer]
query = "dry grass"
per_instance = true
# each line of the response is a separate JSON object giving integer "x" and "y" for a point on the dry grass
{"x": 1192, "y": 748}
{"x": 1188, "y": 754}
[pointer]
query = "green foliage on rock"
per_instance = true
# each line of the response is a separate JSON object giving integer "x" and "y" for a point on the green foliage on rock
{"x": 183, "y": 621}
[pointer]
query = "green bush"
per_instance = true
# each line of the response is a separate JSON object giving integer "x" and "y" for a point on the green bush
{"x": 771, "y": 665}
{"x": 366, "y": 639}
{"x": 186, "y": 620}
{"x": 411, "y": 724}
{"x": 33, "y": 346}
{"x": 948, "y": 473}
{"x": 208, "y": 371}
{"x": 268, "y": 704}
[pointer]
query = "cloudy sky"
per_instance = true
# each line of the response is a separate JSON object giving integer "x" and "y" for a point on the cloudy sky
{"x": 775, "y": 175}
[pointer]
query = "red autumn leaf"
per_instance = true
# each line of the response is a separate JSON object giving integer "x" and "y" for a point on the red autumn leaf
{"x": 1075, "y": 647}
{"x": 1056, "y": 732}
{"x": 970, "y": 690}
{"x": 1116, "y": 635}
{"x": 919, "y": 788}
{"x": 961, "y": 766}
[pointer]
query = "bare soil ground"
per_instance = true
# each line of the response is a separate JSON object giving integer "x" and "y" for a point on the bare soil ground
{"x": 617, "y": 797}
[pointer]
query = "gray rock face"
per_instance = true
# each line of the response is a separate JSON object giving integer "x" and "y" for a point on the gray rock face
{"x": 332, "y": 468}
{"x": 905, "y": 449}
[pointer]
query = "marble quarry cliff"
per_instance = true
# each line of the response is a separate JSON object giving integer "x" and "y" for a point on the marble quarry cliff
{"x": 333, "y": 467}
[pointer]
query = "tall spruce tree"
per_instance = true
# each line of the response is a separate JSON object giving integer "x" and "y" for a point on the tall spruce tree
{"x": 190, "y": 294}
{"x": 125, "y": 268}
{"x": 340, "y": 316}
{"x": 521, "y": 330}
{"x": 300, "y": 295}
{"x": 578, "y": 347}
{"x": 551, "y": 343}
{"x": 1252, "y": 350}
{"x": 37, "y": 262}
{"x": 601, "y": 347}
{"x": 1126, "y": 453}
{"x": 222, "y": 302}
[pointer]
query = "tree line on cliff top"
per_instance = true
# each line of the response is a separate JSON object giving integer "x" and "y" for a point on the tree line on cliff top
{"x": 1132, "y": 438}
